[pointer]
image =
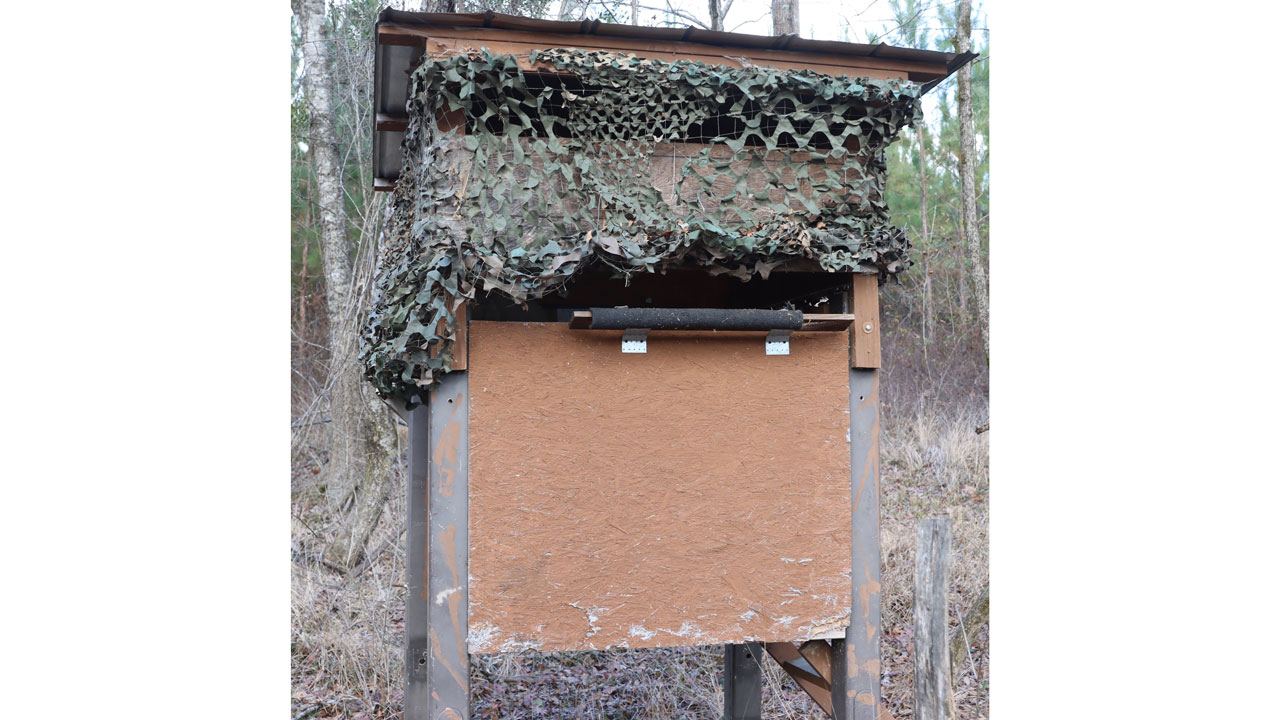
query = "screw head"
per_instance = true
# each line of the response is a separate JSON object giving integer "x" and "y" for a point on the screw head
{"x": 866, "y": 328}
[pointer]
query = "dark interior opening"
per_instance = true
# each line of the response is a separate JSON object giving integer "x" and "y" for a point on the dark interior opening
{"x": 810, "y": 292}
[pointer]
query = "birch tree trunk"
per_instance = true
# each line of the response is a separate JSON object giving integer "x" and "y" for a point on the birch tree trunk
{"x": 786, "y": 17}
{"x": 362, "y": 448}
{"x": 925, "y": 248}
{"x": 968, "y": 169}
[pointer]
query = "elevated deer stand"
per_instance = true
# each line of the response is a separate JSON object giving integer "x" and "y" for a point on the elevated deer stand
{"x": 668, "y": 461}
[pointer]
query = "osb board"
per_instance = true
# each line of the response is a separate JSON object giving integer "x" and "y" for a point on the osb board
{"x": 696, "y": 494}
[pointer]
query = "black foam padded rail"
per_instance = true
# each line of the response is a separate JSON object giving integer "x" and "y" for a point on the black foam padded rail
{"x": 694, "y": 319}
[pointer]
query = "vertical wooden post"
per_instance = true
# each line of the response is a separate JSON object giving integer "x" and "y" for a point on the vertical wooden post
{"x": 855, "y": 687}
{"x": 865, "y": 331}
{"x": 932, "y": 647}
{"x": 438, "y": 672}
{"x": 742, "y": 681}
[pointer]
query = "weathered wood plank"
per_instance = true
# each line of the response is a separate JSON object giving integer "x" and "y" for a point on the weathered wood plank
{"x": 815, "y": 686}
{"x": 865, "y": 299}
{"x": 932, "y": 657}
{"x": 818, "y": 653}
{"x": 460, "y": 349}
{"x": 384, "y": 121}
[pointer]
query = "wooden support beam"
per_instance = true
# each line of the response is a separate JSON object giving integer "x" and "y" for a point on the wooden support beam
{"x": 383, "y": 121}
{"x": 864, "y": 299}
{"x": 818, "y": 653}
{"x": 581, "y": 320}
{"x": 827, "y": 321}
{"x": 812, "y": 322}
{"x": 460, "y": 350}
{"x": 817, "y": 687}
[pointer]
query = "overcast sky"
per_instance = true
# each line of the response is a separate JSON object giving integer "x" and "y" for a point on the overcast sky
{"x": 819, "y": 19}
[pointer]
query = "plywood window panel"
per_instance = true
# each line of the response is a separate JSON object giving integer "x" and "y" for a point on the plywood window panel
{"x": 697, "y": 494}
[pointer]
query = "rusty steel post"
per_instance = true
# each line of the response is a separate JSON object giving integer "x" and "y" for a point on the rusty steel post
{"x": 436, "y": 610}
{"x": 742, "y": 681}
{"x": 417, "y": 691}
{"x": 856, "y": 683}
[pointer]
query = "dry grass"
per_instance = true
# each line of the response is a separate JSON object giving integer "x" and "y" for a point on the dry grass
{"x": 348, "y": 632}
{"x": 933, "y": 465}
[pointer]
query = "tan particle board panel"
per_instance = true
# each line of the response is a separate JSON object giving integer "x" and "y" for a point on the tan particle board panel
{"x": 696, "y": 494}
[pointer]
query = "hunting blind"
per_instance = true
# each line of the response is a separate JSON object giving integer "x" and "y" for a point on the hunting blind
{"x": 628, "y": 307}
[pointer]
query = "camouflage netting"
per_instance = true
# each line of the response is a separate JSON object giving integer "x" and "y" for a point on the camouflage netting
{"x": 557, "y": 174}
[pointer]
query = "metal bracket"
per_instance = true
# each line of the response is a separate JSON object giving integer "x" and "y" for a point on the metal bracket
{"x": 635, "y": 340}
{"x": 777, "y": 342}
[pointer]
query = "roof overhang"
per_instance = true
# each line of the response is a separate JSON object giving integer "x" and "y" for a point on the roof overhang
{"x": 401, "y": 39}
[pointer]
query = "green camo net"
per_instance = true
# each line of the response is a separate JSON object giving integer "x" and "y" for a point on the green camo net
{"x": 636, "y": 164}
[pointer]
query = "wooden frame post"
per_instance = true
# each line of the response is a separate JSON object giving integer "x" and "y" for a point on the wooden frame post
{"x": 437, "y": 665}
{"x": 856, "y": 663}
{"x": 742, "y": 681}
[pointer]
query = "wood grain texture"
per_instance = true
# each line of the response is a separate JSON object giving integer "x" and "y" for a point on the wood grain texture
{"x": 865, "y": 299}
{"x": 697, "y": 494}
{"x": 932, "y": 657}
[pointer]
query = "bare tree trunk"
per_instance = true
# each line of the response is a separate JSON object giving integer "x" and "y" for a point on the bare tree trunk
{"x": 786, "y": 17}
{"x": 717, "y": 18}
{"x": 968, "y": 169}
{"x": 925, "y": 248}
{"x": 635, "y": 12}
{"x": 357, "y": 475}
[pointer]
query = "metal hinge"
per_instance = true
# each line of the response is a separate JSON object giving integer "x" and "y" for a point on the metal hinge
{"x": 635, "y": 340}
{"x": 778, "y": 342}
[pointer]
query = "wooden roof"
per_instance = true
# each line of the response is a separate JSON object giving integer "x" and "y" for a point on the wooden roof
{"x": 402, "y": 38}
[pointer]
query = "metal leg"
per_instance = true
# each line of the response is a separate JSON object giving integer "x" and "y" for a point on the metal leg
{"x": 438, "y": 684}
{"x": 417, "y": 651}
{"x": 856, "y": 687}
{"x": 742, "y": 681}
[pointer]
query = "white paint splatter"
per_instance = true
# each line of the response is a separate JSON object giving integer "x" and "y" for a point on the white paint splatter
{"x": 444, "y": 594}
{"x": 479, "y": 637}
{"x": 640, "y": 632}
